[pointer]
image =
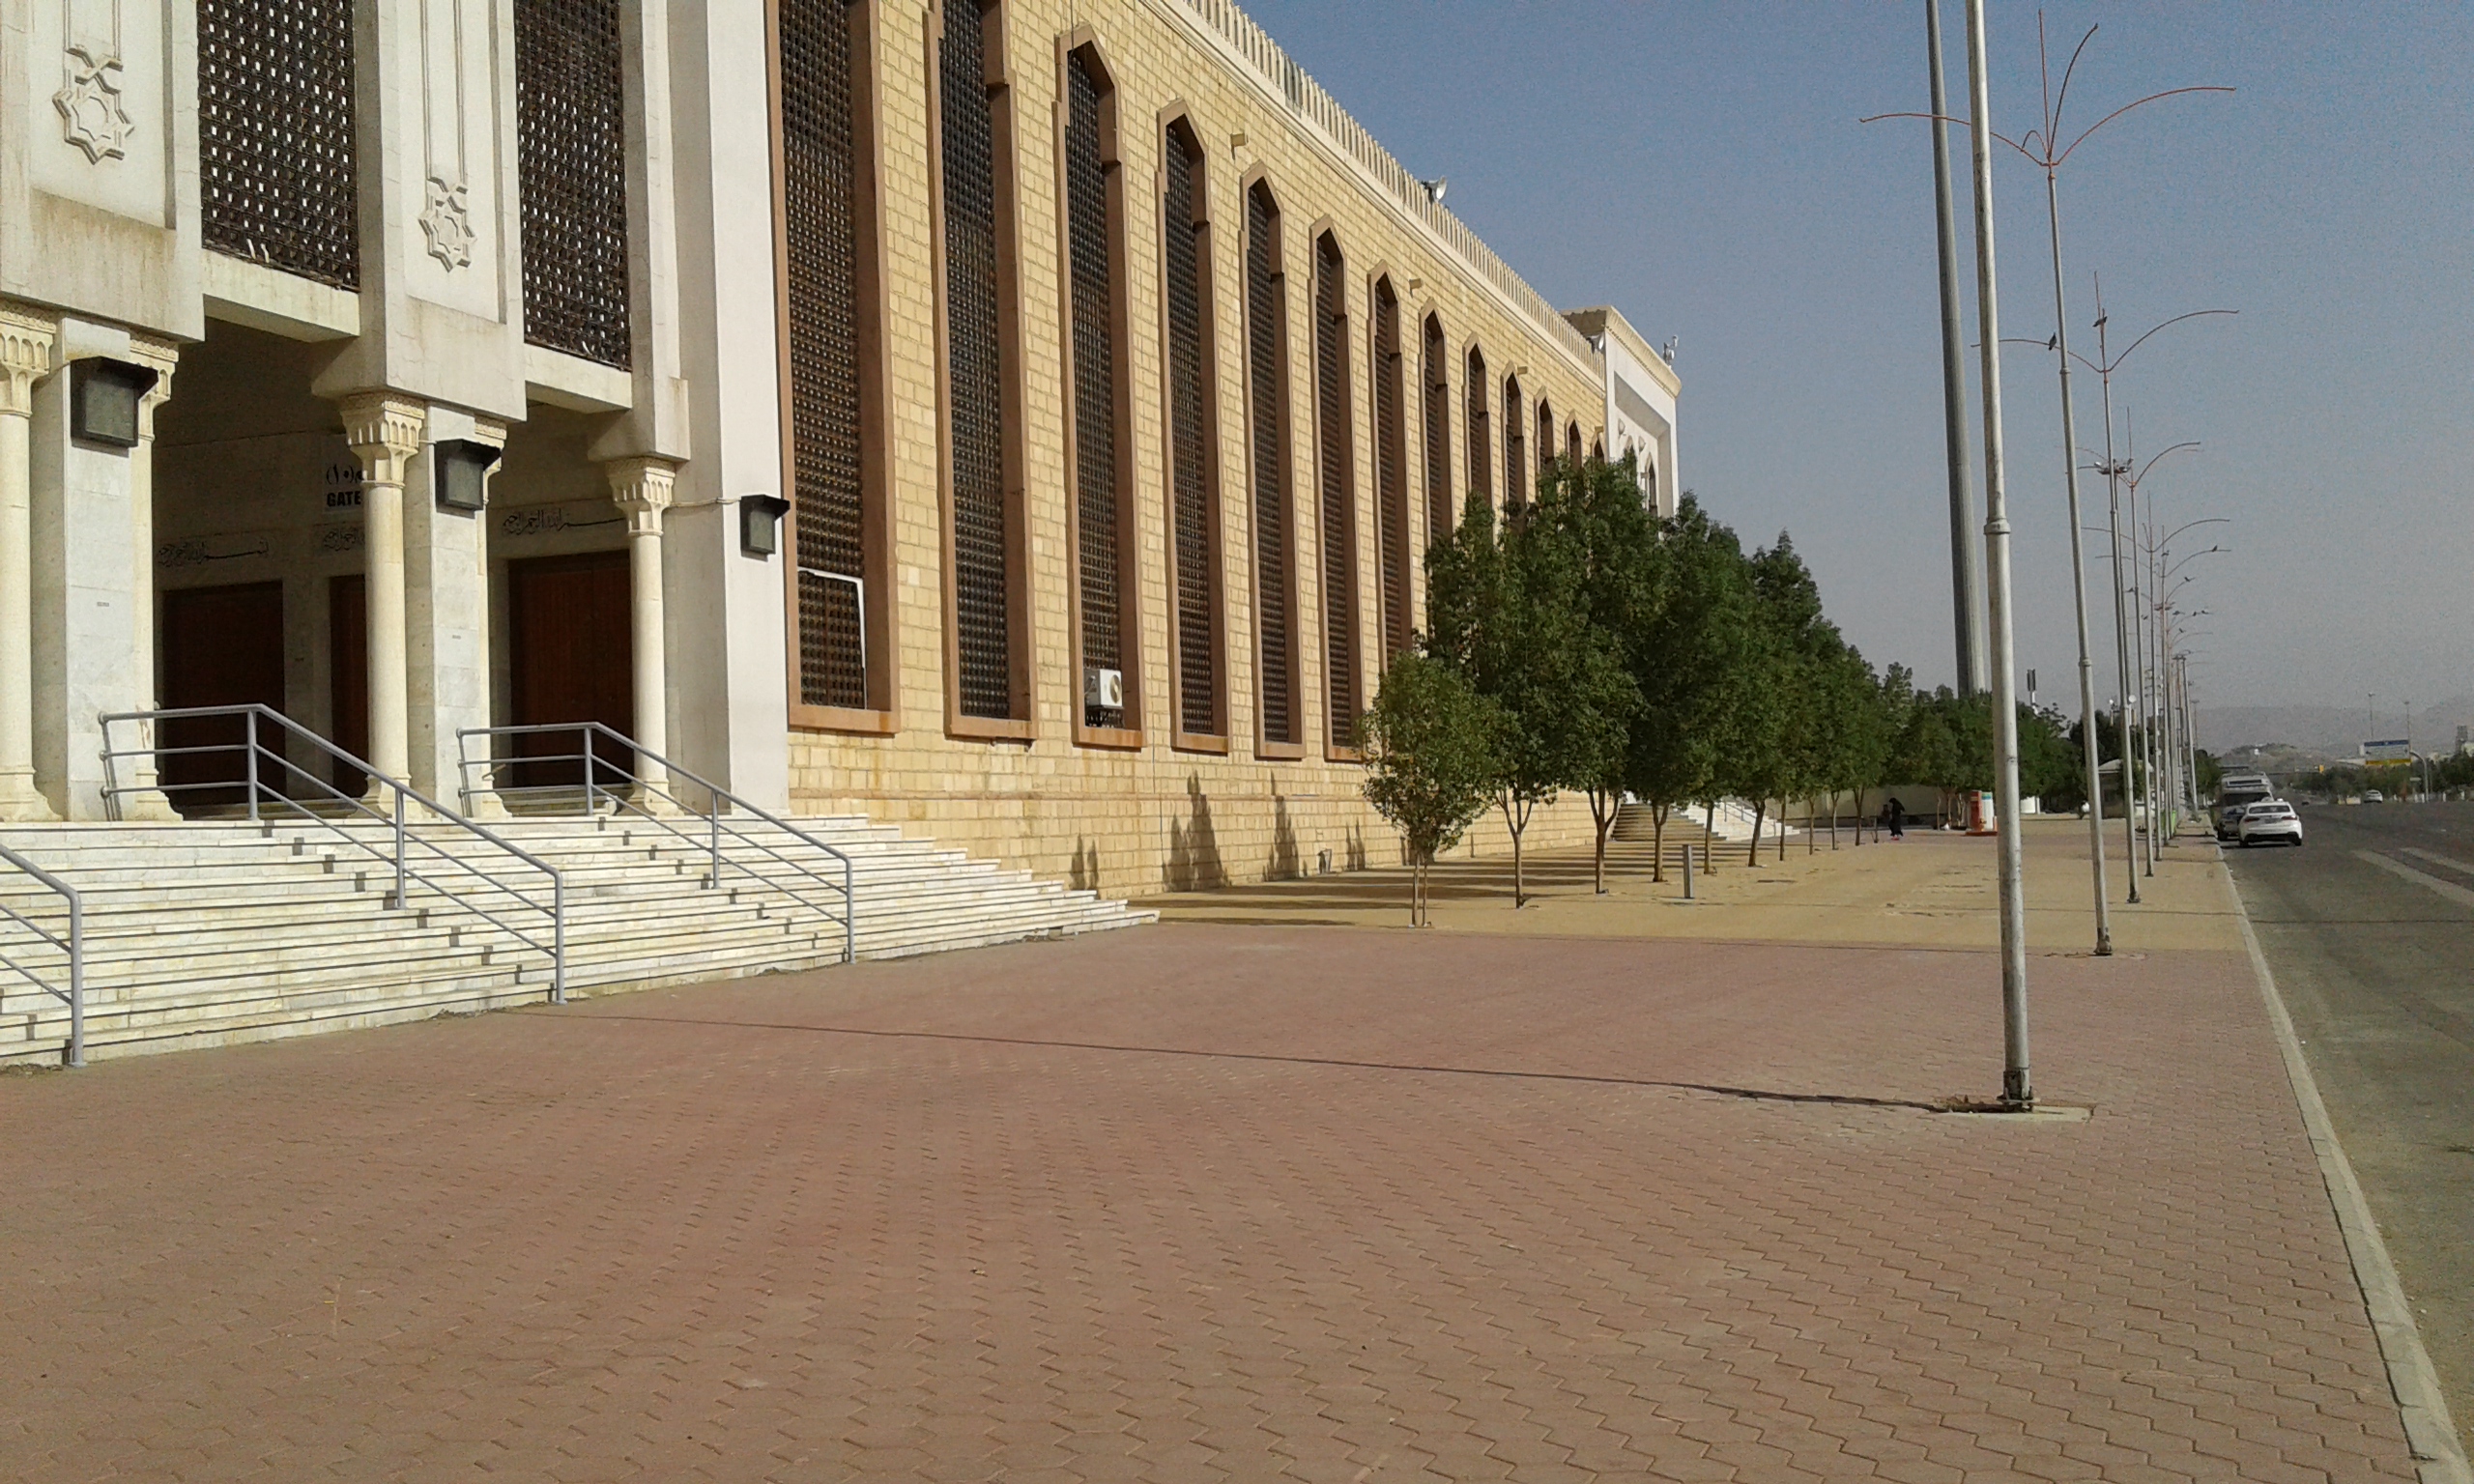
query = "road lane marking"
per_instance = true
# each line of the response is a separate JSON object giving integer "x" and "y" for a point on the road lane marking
{"x": 2437, "y": 859}
{"x": 2448, "y": 889}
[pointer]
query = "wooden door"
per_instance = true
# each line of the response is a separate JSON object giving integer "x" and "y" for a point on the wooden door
{"x": 222, "y": 646}
{"x": 572, "y": 658}
{"x": 348, "y": 675}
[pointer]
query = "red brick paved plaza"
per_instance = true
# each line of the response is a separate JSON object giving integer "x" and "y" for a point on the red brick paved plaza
{"x": 1206, "y": 1203}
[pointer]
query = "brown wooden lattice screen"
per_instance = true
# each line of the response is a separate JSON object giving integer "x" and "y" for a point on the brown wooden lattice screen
{"x": 1267, "y": 389}
{"x": 1517, "y": 488}
{"x": 976, "y": 373}
{"x": 1339, "y": 501}
{"x": 1482, "y": 452}
{"x": 821, "y": 242}
{"x": 275, "y": 155}
{"x": 1438, "y": 431}
{"x": 1095, "y": 385}
{"x": 571, "y": 162}
{"x": 1391, "y": 470}
{"x": 1182, "y": 226}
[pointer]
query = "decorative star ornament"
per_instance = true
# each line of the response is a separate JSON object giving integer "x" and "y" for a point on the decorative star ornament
{"x": 90, "y": 115}
{"x": 448, "y": 224}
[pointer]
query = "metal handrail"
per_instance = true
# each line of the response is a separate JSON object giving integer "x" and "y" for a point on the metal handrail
{"x": 600, "y": 773}
{"x": 398, "y": 855}
{"x": 75, "y": 946}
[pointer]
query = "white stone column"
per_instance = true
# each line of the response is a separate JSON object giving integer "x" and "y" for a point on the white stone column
{"x": 162, "y": 356}
{"x": 447, "y": 613}
{"x": 25, "y": 355}
{"x": 385, "y": 431}
{"x": 643, "y": 487}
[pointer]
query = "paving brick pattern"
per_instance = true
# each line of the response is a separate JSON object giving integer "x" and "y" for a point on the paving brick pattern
{"x": 1205, "y": 1203}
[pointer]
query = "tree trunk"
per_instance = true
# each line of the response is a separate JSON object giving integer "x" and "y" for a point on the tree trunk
{"x": 1760, "y": 812}
{"x": 1515, "y": 824}
{"x": 1782, "y": 832}
{"x": 1604, "y": 818}
{"x": 1812, "y": 830}
{"x": 1709, "y": 837}
{"x": 1657, "y": 842}
{"x": 1833, "y": 818}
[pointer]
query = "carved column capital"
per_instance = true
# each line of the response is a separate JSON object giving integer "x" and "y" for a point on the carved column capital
{"x": 643, "y": 488}
{"x": 384, "y": 430}
{"x": 162, "y": 357}
{"x": 26, "y": 340}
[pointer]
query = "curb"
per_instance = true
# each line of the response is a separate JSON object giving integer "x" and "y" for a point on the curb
{"x": 2439, "y": 1456}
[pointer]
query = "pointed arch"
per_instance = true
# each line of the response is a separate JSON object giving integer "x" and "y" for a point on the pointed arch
{"x": 1199, "y": 707}
{"x": 988, "y": 626}
{"x": 1390, "y": 395}
{"x": 1518, "y": 485}
{"x": 1099, "y": 434}
{"x": 1335, "y": 494}
{"x": 1479, "y": 393}
{"x": 829, "y": 261}
{"x": 1435, "y": 361}
{"x": 1268, "y": 452}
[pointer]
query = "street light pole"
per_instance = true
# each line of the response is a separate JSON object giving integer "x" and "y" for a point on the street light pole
{"x": 2123, "y": 543}
{"x": 2122, "y": 619}
{"x": 1965, "y": 594}
{"x": 2017, "y": 1090}
{"x": 2078, "y": 581}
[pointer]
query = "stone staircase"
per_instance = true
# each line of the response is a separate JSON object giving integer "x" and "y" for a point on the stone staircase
{"x": 201, "y": 935}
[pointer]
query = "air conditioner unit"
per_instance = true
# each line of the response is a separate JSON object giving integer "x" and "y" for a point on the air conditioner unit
{"x": 1102, "y": 687}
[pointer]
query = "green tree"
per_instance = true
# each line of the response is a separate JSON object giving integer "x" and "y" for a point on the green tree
{"x": 1505, "y": 608}
{"x": 1686, "y": 655}
{"x": 1609, "y": 546}
{"x": 1778, "y": 738}
{"x": 1430, "y": 758}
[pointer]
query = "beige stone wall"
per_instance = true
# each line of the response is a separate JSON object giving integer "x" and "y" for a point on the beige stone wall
{"x": 1138, "y": 820}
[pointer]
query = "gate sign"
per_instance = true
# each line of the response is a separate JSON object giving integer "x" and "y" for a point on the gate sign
{"x": 2386, "y": 751}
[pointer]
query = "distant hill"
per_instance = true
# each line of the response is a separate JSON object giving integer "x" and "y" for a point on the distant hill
{"x": 2333, "y": 732}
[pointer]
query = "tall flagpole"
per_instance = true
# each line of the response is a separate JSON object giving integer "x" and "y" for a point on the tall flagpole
{"x": 2016, "y": 1089}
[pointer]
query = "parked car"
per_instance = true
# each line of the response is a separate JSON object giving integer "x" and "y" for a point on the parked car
{"x": 2229, "y": 819}
{"x": 2271, "y": 821}
{"x": 2373, "y": 796}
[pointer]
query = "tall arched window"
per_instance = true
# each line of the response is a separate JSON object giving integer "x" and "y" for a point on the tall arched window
{"x": 1436, "y": 363}
{"x": 1518, "y": 484}
{"x": 989, "y": 629}
{"x": 1193, "y": 525}
{"x": 838, "y": 613}
{"x": 1545, "y": 439}
{"x": 1480, "y": 392}
{"x": 1572, "y": 443}
{"x": 1391, "y": 466}
{"x": 1267, "y": 394}
{"x": 1337, "y": 491}
{"x": 1094, "y": 218}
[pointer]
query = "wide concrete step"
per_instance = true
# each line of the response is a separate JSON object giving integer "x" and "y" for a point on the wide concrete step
{"x": 205, "y": 933}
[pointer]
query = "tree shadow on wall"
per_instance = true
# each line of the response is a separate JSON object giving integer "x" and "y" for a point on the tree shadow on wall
{"x": 1083, "y": 875}
{"x": 1194, "y": 847}
{"x": 1283, "y": 862}
{"x": 1355, "y": 853}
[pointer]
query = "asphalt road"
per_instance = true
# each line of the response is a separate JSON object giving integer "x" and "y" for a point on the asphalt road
{"x": 2369, "y": 930}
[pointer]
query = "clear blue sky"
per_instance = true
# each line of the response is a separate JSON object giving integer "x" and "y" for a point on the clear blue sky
{"x": 1701, "y": 167}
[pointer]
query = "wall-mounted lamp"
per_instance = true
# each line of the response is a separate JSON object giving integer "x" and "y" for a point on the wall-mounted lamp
{"x": 760, "y": 523}
{"x": 459, "y": 472}
{"x": 102, "y": 400}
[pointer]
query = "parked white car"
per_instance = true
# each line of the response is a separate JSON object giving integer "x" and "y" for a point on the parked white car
{"x": 2271, "y": 821}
